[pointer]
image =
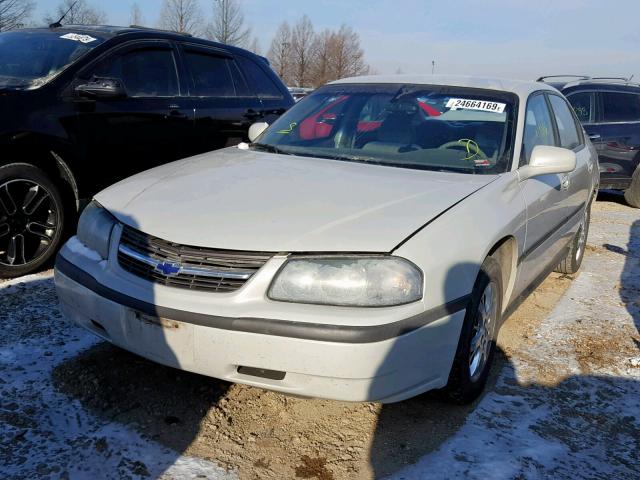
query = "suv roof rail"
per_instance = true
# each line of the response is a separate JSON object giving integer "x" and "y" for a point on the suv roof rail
{"x": 152, "y": 29}
{"x": 581, "y": 77}
{"x": 585, "y": 78}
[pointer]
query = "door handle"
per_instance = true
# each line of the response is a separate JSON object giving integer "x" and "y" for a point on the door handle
{"x": 252, "y": 114}
{"x": 176, "y": 115}
{"x": 594, "y": 136}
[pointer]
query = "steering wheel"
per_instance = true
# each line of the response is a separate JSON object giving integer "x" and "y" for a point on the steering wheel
{"x": 472, "y": 148}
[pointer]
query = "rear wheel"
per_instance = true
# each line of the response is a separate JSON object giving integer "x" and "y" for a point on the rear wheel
{"x": 31, "y": 219}
{"x": 571, "y": 263}
{"x": 632, "y": 194}
{"x": 476, "y": 346}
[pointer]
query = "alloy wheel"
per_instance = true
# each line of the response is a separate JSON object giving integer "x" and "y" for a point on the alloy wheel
{"x": 29, "y": 221}
{"x": 483, "y": 332}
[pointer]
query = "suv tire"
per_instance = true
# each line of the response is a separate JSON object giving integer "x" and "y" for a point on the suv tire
{"x": 632, "y": 194}
{"x": 31, "y": 219}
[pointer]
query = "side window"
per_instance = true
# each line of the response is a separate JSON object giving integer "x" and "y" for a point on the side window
{"x": 260, "y": 82}
{"x": 582, "y": 104}
{"x": 148, "y": 72}
{"x": 210, "y": 74}
{"x": 538, "y": 128}
{"x": 567, "y": 128}
{"x": 620, "y": 107}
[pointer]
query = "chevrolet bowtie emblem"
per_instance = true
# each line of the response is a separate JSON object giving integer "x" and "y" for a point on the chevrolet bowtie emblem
{"x": 168, "y": 269}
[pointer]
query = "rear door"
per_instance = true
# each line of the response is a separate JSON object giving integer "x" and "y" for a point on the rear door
{"x": 273, "y": 101}
{"x": 118, "y": 137}
{"x": 223, "y": 105}
{"x": 618, "y": 127}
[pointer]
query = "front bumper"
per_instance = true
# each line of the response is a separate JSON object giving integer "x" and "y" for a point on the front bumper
{"x": 387, "y": 362}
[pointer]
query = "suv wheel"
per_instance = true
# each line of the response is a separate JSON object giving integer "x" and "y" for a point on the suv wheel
{"x": 31, "y": 219}
{"x": 632, "y": 194}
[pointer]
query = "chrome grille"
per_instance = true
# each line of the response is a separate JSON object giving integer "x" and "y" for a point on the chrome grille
{"x": 199, "y": 268}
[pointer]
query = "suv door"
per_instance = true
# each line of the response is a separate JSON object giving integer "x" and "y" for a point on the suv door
{"x": 619, "y": 143}
{"x": 549, "y": 198}
{"x": 118, "y": 137}
{"x": 224, "y": 107}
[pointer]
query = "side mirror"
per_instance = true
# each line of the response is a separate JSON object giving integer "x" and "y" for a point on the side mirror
{"x": 256, "y": 129}
{"x": 99, "y": 87}
{"x": 545, "y": 160}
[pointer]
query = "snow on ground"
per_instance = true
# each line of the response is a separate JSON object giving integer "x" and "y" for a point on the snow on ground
{"x": 43, "y": 433}
{"x": 568, "y": 406}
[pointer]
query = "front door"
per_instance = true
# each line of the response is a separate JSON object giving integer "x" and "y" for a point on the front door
{"x": 118, "y": 137}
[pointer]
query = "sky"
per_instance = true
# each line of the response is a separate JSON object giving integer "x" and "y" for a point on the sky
{"x": 505, "y": 38}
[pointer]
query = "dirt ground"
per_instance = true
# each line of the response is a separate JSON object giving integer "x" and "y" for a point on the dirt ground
{"x": 108, "y": 404}
{"x": 263, "y": 434}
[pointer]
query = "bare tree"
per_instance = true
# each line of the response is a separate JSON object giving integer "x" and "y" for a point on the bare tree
{"x": 303, "y": 49}
{"x": 182, "y": 16}
{"x": 280, "y": 52}
{"x": 255, "y": 46}
{"x": 348, "y": 56}
{"x": 228, "y": 24}
{"x": 14, "y": 13}
{"x": 136, "y": 15}
{"x": 322, "y": 70}
{"x": 80, "y": 13}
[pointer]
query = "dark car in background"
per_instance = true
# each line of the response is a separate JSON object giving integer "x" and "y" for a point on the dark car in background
{"x": 609, "y": 110}
{"x": 82, "y": 107}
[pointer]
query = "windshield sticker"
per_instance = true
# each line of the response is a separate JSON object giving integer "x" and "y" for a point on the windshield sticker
{"x": 79, "y": 38}
{"x": 469, "y": 104}
{"x": 286, "y": 131}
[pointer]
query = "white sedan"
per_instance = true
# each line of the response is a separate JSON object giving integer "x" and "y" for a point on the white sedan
{"x": 365, "y": 247}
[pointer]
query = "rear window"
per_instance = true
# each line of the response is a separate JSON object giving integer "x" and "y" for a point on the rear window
{"x": 620, "y": 107}
{"x": 210, "y": 74}
{"x": 262, "y": 85}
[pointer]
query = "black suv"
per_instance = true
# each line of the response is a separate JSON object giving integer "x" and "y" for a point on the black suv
{"x": 609, "y": 109}
{"x": 84, "y": 107}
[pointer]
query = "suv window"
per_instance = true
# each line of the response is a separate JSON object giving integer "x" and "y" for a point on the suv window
{"x": 620, "y": 107}
{"x": 567, "y": 127}
{"x": 146, "y": 72}
{"x": 538, "y": 128}
{"x": 260, "y": 82}
{"x": 582, "y": 104}
{"x": 210, "y": 74}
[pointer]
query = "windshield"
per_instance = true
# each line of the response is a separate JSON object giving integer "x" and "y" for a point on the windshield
{"x": 29, "y": 58}
{"x": 412, "y": 126}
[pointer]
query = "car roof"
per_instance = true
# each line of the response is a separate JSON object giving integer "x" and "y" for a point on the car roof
{"x": 520, "y": 87}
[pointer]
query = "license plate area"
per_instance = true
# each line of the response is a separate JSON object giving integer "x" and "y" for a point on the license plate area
{"x": 163, "y": 340}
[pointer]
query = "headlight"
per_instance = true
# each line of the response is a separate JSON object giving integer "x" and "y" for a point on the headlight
{"x": 375, "y": 281}
{"x": 94, "y": 228}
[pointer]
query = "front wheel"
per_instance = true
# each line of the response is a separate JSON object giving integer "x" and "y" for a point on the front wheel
{"x": 476, "y": 346}
{"x": 31, "y": 219}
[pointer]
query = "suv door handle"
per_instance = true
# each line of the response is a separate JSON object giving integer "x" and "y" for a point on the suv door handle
{"x": 595, "y": 136}
{"x": 176, "y": 115}
{"x": 252, "y": 114}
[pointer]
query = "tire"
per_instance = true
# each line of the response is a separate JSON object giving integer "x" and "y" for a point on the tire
{"x": 571, "y": 263}
{"x": 465, "y": 382}
{"x": 32, "y": 219}
{"x": 632, "y": 194}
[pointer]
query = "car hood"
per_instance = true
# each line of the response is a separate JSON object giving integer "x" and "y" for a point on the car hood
{"x": 245, "y": 200}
